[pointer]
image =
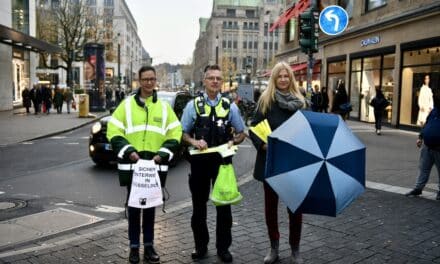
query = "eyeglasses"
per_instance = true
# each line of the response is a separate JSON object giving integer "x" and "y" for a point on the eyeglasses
{"x": 214, "y": 78}
{"x": 148, "y": 79}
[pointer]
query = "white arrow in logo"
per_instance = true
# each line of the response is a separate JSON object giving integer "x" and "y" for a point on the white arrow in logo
{"x": 330, "y": 16}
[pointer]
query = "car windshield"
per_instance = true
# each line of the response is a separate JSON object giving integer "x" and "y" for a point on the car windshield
{"x": 167, "y": 97}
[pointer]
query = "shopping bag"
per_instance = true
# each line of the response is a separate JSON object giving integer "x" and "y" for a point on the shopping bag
{"x": 73, "y": 105}
{"x": 225, "y": 190}
{"x": 146, "y": 190}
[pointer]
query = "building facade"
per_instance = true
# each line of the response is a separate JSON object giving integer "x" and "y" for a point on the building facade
{"x": 18, "y": 50}
{"x": 237, "y": 36}
{"x": 388, "y": 44}
{"x": 124, "y": 52}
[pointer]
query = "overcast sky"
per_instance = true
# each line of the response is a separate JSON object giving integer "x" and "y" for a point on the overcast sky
{"x": 169, "y": 28}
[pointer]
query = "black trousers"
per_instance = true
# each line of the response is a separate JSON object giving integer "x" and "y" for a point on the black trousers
{"x": 204, "y": 170}
{"x": 378, "y": 119}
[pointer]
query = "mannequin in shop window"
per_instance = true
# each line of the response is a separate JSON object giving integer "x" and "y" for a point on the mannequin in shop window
{"x": 425, "y": 101}
{"x": 340, "y": 104}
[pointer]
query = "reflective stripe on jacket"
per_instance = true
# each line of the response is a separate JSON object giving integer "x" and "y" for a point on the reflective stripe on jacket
{"x": 149, "y": 129}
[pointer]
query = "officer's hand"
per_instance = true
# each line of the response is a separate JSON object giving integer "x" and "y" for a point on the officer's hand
{"x": 134, "y": 157}
{"x": 157, "y": 159}
{"x": 200, "y": 144}
{"x": 419, "y": 143}
{"x": 230, "y": 143}
{"x": 264, "y": 147}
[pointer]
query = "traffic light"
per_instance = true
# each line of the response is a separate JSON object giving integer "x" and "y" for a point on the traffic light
{"x": 309, "y": 31}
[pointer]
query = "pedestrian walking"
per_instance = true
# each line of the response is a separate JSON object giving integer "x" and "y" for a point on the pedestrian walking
{"x": 58, "y": 100}
{"x": 425, "y": 101}
{"x": 429, "y": 140}
{"x": 316, "y": 99}
{"x": 210, "y": 120}
{"x": 68, "y": 98}
{"x": 379, "y": 103}
{"x": 277, "y": 103}
{"x": 325, "y": 100}
{"x": 143, "y": 127}
{"x": 36, "y": 97}
{"x": 26, "y": 98}
{"x": 47, "y": 99}
{"x": 340, "y": 105}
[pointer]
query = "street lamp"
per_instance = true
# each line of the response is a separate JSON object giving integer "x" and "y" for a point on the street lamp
{"x": 216, "y": 50}
{"x": 119, "y": 65}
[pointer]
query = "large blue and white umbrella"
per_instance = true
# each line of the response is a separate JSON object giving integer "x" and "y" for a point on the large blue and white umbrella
{"x": 315, "y": 163}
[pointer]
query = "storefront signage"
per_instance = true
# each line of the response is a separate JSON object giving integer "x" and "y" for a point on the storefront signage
{"x": 370, "y": 41}
{"x": 292, "y": 59}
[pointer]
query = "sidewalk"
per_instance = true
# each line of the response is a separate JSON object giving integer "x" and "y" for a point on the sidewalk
{"x": 17, "y": 126}
{"x": 379, "y": 227}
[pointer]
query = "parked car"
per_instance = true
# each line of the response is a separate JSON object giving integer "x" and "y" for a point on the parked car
{"x": 100, "y": 150}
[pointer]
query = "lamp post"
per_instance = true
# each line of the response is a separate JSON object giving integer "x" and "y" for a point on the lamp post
{"x": 216, "y": 50}
{"x": 119, "y": 65}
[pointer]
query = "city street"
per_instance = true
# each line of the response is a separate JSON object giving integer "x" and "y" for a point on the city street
{"x": 382, "y": 226}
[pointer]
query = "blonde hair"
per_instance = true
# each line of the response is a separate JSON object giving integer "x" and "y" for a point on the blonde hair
{"x": 268, "y": 96}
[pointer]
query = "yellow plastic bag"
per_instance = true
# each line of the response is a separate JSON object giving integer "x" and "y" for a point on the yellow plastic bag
{"x": 225, "y": 189}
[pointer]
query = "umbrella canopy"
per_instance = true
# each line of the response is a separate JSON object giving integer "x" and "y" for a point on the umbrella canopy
{"x": 315, "y": 163}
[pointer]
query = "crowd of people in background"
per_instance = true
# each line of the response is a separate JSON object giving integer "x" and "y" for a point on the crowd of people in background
{"x": 43, "y": 98}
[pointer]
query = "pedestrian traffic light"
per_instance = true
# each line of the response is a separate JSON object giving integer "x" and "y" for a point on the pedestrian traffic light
{"x": 309, "y": 31}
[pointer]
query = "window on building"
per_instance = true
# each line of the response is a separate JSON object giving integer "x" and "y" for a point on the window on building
{"x": 347, "y": 5}
{"x": 255, "y": 44}
{"x": 229, "y": 44}
{"x": 250, "y": 44}
{"x": 235, "y": 44}
{"x": 266, "y": 29}
{"x": 230, "y": 12}
{"x": 20, "y": 16}
{"x": 291, "y": 30}
{"x": 235, "y": 25}
{"x": 250, "y": 13}
{"x": 417, "y": 64}
{"x": 225, "y": 24}
{"x": 270, "y": 45}
{"x": 230, "y": 24}
{"x": 89, "y": 2}
{"x": 265, "y": 45}
{"x": 108, "y": 3}
{"x": 244, "y": 44}
{"x": 224, "y": 44}
{"x": 373, "y": 4}
{"x": 245, "y": 25}
{"x": 276, "y": 45}
{"x": 256, "y": 26}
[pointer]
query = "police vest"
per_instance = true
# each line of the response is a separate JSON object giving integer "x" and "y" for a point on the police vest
{"x": 212, "y": 123}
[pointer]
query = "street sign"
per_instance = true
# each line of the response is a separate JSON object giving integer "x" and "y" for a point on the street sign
{"x": 333, "y": 20}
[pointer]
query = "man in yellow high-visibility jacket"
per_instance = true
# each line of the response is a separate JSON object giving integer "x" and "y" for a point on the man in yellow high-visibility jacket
{"x": 143, "y": 127}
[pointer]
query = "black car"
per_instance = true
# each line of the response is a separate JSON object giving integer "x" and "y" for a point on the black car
{"x": 100, "y": 149}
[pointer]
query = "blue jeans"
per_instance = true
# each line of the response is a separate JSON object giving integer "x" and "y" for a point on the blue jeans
{"x": 428, "y": 157}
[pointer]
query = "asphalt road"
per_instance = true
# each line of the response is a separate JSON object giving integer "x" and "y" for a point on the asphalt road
{"x": 57, "y": 170}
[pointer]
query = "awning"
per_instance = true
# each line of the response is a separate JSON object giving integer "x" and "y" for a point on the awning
{"x": 293, "y": 11}
{"x": 18, "y": 39}
{"x": 298, "y": 67}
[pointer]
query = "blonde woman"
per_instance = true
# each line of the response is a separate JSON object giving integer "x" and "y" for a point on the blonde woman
{"x": 277, "y": 103}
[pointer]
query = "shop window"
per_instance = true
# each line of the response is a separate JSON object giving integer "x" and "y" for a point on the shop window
{"x": 416, "y": 65}
{"x": 336, "y": 72}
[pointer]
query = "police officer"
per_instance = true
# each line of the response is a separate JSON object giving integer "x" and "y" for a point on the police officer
{"x": 143, "y": 127}
{"x": 210, "y": 120}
